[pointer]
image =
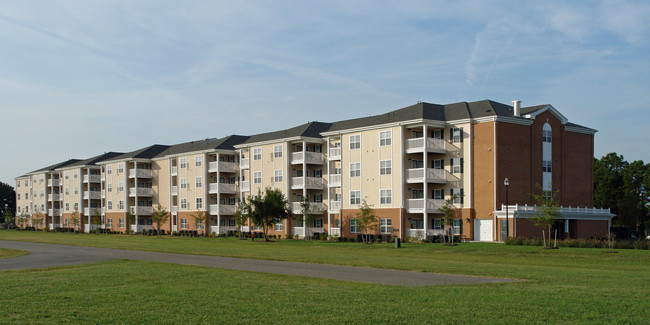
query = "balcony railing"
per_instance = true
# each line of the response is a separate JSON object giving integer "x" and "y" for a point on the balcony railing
{"x": 335, "y": 206}
{"x": 222, "y": 188}
{"x": 175, "y": 209}
{"x": 140, "y": 191}
{"x": 103, "y": 194}
{"x": 334, "y": 154}
{"x": 53, "y": 197}
{"x": 245, "y": 186}
{"x": 223, "y": 209}
{"x": 310, "y": 183}
{"x": 314, "y": 207}
{"x": 417, "y": 205}
{"x": 92, "y": 179}
{"x": 54, "y": 212}
{"x": 141, "y": 228}
{"x": 140, "y": 173}
{"x": 174, "y": 190}
{"x": 91, "y": 211}
{"x": 103, "y": 177}
{"x": 245, "y": 163}
{"x": 335, "y": 180}
{"x": 144, "y": 211}
{"x": 53, "y": 182}
{"x": 416, "y": 175}
{"x": 174, "y": 171}
{"x": 430, "y": 145}
{"x": 307, "y": 157}
{"x": 335, "y": 231}
{"x": 92, "y": 195}
{"x": 561, "y": 210}
{"x": 222, "y": 166}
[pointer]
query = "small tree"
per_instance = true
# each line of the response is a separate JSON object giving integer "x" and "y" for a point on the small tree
{"x": 21, "y": 219}
{"x": 366, "y": 220}
{"x": 130, "y": 218}
{"x": 37, "y": 218}
{"x": 548, "y": 211}
{"x": 75, "y": 217}
{"x": 306, "y": 217}
{"x": 9, "y": 217}
{"x": 199, "y": 219}
{"x": 448, "y": 213}
{"x": 96, "y": 219}
{"x": 159, "y": 215}
{"x": 242, "y": 214}
{"x": 269, "y": 209}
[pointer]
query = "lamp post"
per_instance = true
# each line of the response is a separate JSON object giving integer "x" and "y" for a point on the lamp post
{"x": 506, "y": 182}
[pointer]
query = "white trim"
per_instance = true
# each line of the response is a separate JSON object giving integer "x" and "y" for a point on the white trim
{"x": 584, "y": 130}
{"x": 550, "y": 108}
{"x": 291, "y": 139}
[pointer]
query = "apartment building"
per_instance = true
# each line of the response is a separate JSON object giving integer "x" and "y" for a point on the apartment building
{"x": 404, "y": 164}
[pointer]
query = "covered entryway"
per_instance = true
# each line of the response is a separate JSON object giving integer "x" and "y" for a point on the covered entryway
{"x": 483, "y": 230}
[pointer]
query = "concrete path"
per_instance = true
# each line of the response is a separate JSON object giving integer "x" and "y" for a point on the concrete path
{"x": 50, "y": 255}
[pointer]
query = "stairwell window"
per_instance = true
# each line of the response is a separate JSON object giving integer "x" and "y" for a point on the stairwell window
{"x": 355, "y": 141}
{"x": 546, "y": 166}
{"x": 257, "y": 154}
{"x": 385, "y": 138}
{"x": 547, "y": 136}
{"x": 355, "y": 169}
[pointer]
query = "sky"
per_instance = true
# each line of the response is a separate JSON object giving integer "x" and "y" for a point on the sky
{"x": 80, "y": 78}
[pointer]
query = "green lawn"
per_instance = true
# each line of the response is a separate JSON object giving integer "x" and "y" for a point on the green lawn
{"x": 6, "y": 253}
{"x": 568, "y": 285}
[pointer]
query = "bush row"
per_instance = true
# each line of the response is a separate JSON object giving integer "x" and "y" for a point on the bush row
{"x": 583, "y": 243}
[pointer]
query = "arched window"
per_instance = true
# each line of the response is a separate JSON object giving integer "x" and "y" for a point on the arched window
{"x": 547, "y": 157}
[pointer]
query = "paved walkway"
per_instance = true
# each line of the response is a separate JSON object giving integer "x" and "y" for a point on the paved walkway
{"x": 50, "y": 255}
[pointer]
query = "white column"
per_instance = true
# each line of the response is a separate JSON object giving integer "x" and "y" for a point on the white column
{"x": 329, "y": 203}
{"x": 425, "y": 186}
{"x": 135, "y": 181}
{"x": 218, "y": 198}
{"x": 304, "y": 183}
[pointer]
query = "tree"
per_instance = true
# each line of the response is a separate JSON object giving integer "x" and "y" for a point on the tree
{"x": 96, "y": 218}
{"x": 7, "y": 198}
{"x": 448, "y": 213}
{"x": 199, "y": 219}
{"x": 75, "y": 217}
{"x": 548, "y": 210}
{"x": 130, "y": 218}
{"x": 37, "y": 218}
{"x": 22, "y": 219}
{"x": 269, "y": 209}
{"x": 306, "y": 217}
{"x": 634, "y": 208}
{"x": 8, "y": 217}
{"x": 608, "y": 181}
{"x": 159, "y": 215}
{"x": 242, "y": 214}
{"x": 366, "y": 220}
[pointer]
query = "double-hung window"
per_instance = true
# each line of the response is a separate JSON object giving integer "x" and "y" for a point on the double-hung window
{"x": 183, "y": 162}
{"x": 355, "y": 141}
{"x": 120, "y": 187}
{"x": 183, "y": 203}
{"x": 355, "y": 169}
{"x": 385, "y": 167}
{"x": 109, "y": 205}
{"x": 120, "y": 205}
{"x": 546, "y": 166}
{"x": 456, "y": 135}
{"x": 355, "y": 197}
{"x": 257, "y": 154}
{"x": 547, "y": 136}
{"x": 277, "y": 176}
{"x": 458, "y": 192}
{"x": 198, "y": 181}
{"x": 456, "y": 165}
{"x": 354, "y": 227}
{"x": 257, "y": 178}
{"x": 198, "y": 161}
{"x": 385, "y": 138}
{"x": 386, "y": 196}
{"x": 183, "y": 223}
{"x": 199, "y": 203}
{"x": 385, "y": 226}
{"x": 183, "y": 182}
{"x": 277, "y": 151}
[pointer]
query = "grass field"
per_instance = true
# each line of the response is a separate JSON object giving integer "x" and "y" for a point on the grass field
{"x": 7, "y": 253}
{"x": 568, "y": 285}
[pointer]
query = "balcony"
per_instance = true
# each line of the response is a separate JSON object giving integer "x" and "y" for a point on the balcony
{"x": 222, "y": 166}
{"x": 53, "y": 197}
{"x": 307, "y": 157}
{"x": 222, "y": 188}
{"x": 54, "y": 182}
{"x": 175, "y": 209}
{"x": 222, "y": 229}
{"x": 174, "y": 171}
{"x": 92, "y": 179}
{"x": 91, "y": 211}
{"x": 222, "y": 209}
{"x": 54, "y": 212}
{"x": 245, "y": 186}
{"x": 141, "y": 228}
{"x": 245, "y": 163}
{"x": 335, "y": 206}
{"x": 140, "y": 191}
{"x": 310, "y": 183}
{"x": 103, "y": 194}
{"x": 174, "y": 190}
{"x": 143, "y": 211}
{"x": 140, "y": 173}
{"x": 430, "y": 145}
{"x": 103, "y": 177}
{"x": 334, "y": 180}
{"x": 92, "y": 195}
{"x": 334, "y": 154}
{"x": 416, "y": 175}
{"x": 314, "y": 207}
{"x": 417, "y": 205}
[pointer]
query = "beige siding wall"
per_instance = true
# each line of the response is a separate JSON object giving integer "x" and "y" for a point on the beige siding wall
{"x": 114, "y": 179}
{"x": 161, "y": 183}
{"x": 190, "y": 173}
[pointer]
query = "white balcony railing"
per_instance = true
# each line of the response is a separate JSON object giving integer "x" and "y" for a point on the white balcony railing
{"x": 174, "y": 209}
{"x": 335, "y": 231}
{"x": 335, "y": 180}
{"x": 92, "y": 195}
{"x": 310, "y": 183}
{"x": 140, "y": 191}
{"x": 562, "y": 210}
{"x": 245, "y": 163}
{"x": 307, "y": 157}
{"x": 53, "y": 197}
{"x": 222, "y": 188}
{"x": 144, "y": 211}
{"x": 53, "y": 182}
{"x": 314, "y": 207}
{"x": 334, "y": 154}
{"x": 174, "y": 190}
{"x": 103, "y": 177}
{"x": 335, "y": 206}
{"x": 141, "y": 228}
{"x": 92, "y": 179}
{"x": 245, "y": 186}
{"x": 54, "y": 212}
{"x": 416, "y": 175}
{"x": 174, "y": 171}
{"x": 222, "y": 166}
{"x": 103, "y": 194}
{"x": 92, "y": 211}
{"x": 223, "y": 209}
{"x": 417, "y": 205}
{"x": 430, "y": 145}
{"x": 140, "y": 173}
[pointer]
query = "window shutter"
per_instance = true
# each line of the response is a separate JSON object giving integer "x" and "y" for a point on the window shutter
{"x": 442, "y": 192}
{"x": 462, "y": 196}
{"x": 451, "y": 193}
{"x": 461, "y": 135}
{"x": 442, "y": 134}
{"x": 451, "y": 134}
{"x": 461, "y": 165}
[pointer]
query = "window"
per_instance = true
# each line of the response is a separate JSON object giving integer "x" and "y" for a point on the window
{"x": 318, "y": 223}
{"x": 277, "y": 175}
{"x": 546, "y": 195}
{"x": 546, "y": 166}
{"x": 417, "y": 194}
{"x": 199, "y": 203}
{"x": 183, "y": 162}
{"x": 183, "y": 182}
{"x": 121, "y": 222}
{"x": 198, "y": 181}
{"x": 438, "y": 164}
{"x": 385, "y": 167}
{"x": 198, "y": 160}
{"x": 457, "y": 226}
{"x": 257, "y": 178}
{"x": 318, "y": 198}
{"x": 76, "y": 206}
{"x": 354, "y": 227}
{"x": 437, "y": 223}
{"x": 120, "y": 187}
{"x": 120, "y": 205}
{"x": 385, "y": 138}
{"x": 43, "y": 193}
{"x": 76, "y": 190}
{"x": 318, "y": 173}
{"x": 120, "y": 168}
{"x": 42, "y": 207}
{"x": 109, "y": 222}
{"x": 439, "y": 194}
{"x": 547, "y": 135}
{"x": 355, "y": 197}
{"x": 277, "y": 151}
{"x": 456, "y": 135}
{"x": 109, "y": 169}
{"x": 109, "y": 205}
{"x": 18, "y": 196}
{"x": 231, "y": 222}
{"x": 459, "y": 195}
{"x": 257, "y": 154}
{"x": 27, "y": 195}
{"x": 183, "y": 223}
{"x": 437, "y": 134}
{"x": 109, "y": 187}
{"x": 385, "y": 226}
{"x": 67, "y": 222}
{"x": 417, "y": 163}
{"x": 76, "y": 174}
{"x": 386, "y": 196}
{"x": 416, "y": 134}
{"x": 355, "y": 169}
{"x": 456, "y": 165}
{"x": 183, "y": 203}
{"x": 355, "y": 141}
{"x": 417, "y": 224}
{"x": 199, "y": 225}
{"x": 67, "y": 207}
{"x": 278, "y": 226}
{"x": 26, "y": 181}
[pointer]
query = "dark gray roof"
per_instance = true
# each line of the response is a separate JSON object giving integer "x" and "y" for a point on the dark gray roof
{"x": 225, "y": 143}
{"x": 311, "y": 129}
{"x": 94, "y": 160}
{"x": 55, "y": 166}
{"x": 144, "y": 153}
{"x": 578, "y": 126}
{"x": 530, "y": 109}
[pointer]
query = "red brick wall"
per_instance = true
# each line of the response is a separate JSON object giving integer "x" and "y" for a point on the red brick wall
{"x": 577, "y": 177}
{"x": 590, "y": 229}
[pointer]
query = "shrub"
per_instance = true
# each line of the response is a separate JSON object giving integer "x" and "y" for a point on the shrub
{"x": 288, "y": 236}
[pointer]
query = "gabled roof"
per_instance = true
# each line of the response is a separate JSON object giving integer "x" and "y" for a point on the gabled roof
{"x": 94, "y": 160}
{"x": 145, "y": 153}
{"x": 55, "y": 166}
{"x": 225, "y": 143}
{"x": 309, "y": 130}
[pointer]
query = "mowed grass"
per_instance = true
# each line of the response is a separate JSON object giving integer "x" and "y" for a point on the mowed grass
{"x": 6, "y": 253}
{"x": 561, "y": 286}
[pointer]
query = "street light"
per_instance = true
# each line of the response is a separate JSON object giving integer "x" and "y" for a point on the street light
{"x": 506, "y": 182}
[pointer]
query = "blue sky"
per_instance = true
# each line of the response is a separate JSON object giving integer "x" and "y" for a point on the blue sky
{"x": 84, "y": 77}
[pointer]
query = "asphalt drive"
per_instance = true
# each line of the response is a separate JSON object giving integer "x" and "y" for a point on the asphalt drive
{"x": 51, "y": 255}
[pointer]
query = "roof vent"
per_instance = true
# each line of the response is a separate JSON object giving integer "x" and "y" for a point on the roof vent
{"x": 517, "y": 108}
